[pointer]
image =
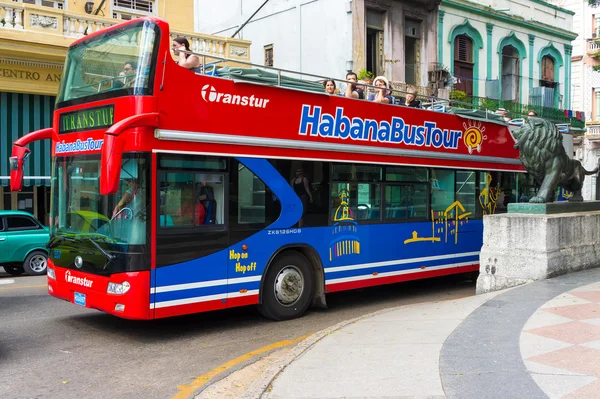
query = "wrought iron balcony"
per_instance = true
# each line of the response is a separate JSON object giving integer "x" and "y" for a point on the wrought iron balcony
{"x": 516, "y": 110}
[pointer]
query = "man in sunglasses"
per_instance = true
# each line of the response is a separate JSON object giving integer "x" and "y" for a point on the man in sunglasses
{"x": 128, "y": 74}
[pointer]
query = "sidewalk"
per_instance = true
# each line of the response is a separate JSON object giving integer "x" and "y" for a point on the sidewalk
{"x": 539, "y": 340}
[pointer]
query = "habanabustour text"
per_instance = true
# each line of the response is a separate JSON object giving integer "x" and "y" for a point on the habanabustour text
{"x": 314, "y": 122}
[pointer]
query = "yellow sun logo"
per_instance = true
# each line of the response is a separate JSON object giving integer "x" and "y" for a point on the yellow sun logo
{"x": 473, "y": 136}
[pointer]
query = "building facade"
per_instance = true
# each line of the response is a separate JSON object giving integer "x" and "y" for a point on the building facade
{"x": 513, "y": 51}
{"x": 34, "y": 37}
{"x": 586, "y": 88}
{"x": 396, "y": 39}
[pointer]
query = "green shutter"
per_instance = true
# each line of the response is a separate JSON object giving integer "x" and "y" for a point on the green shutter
{"x": 21, "y": 114}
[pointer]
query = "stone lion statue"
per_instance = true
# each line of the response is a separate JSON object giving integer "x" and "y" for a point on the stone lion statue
{"x": 542, "y": 152}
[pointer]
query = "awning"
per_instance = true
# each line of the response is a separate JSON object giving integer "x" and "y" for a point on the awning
{"x": 19, "y": 115}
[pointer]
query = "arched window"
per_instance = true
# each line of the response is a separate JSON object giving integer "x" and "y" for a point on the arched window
{"x": 547, "y": 71}
{"x": 510, "y": 73}
{"x": 463, "y": 64}
{"x": 463, "y": 48}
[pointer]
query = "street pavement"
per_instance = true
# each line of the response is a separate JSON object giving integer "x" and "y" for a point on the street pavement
{"x": 51, "y": 348}
{"x": 539, "y": 340}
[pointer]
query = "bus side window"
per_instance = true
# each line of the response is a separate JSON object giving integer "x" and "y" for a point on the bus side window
{"x": 191, "y": 199}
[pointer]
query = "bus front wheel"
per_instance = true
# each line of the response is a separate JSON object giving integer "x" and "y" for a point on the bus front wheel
{"x": 288, "y": 287}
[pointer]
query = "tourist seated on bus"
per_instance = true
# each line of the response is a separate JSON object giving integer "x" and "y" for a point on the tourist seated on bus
{"x": 381, "y": 95}
{"x": 127, "y": 75}
{"x": 189, "y": 61}
{"x": 199, "y": 214}
{"x": 329, "y": 86}
{"x": 206, "y": 197}
{"x": 502, "y": 112}
{"x": 411, "y": 98}
{"x": 353, "y": 90}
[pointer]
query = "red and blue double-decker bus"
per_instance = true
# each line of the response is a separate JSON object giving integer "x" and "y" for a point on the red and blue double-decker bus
{"x": 176, "y": 192}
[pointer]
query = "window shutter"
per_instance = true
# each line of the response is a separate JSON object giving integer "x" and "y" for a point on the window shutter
{"x": 463, "y": 48}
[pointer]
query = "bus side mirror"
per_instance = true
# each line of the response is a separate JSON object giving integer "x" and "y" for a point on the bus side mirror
{"x": 16, "y": 163}
{"x": 110, "y": 164}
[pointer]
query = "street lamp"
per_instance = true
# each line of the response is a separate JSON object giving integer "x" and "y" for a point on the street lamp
{"x": 89, "y": 7}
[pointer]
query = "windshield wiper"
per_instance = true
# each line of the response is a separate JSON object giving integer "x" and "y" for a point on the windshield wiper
{"x": 106, "y": 254}
{"x": 57, "y": 240}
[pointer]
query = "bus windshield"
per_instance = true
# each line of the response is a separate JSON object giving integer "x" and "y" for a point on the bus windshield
{"x": 81, "y": 217}
{"x": 117, "y": 63}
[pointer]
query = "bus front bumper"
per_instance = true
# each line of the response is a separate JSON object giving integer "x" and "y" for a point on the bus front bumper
{"x": 91, "y": 291}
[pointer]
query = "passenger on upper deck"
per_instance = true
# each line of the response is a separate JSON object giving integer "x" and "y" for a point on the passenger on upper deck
{"x": 411, "y": 98}
{"x": 502, "y": 112}
{"x": 189, "y": 61}
{"x": 353, "y": 90}
{"x": 329, "y": 86}
{"x": 127, "y": 75}
{"x": 381, "y": 96}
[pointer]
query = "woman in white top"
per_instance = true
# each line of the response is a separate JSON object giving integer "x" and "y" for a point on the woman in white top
{"x": 189, "y": 61}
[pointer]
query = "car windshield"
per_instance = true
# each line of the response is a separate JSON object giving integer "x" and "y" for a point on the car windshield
{"x": 112, "y": 224}
{"x": 116, "y": 63}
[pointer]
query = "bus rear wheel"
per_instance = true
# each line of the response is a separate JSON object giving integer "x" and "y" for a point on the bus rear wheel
{"x": 288, "y": 287}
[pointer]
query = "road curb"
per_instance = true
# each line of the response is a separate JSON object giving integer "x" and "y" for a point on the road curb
{"x": 257, "y": 389}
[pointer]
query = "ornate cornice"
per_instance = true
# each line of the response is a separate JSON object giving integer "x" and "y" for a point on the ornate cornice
{"x": 30, "y": 63}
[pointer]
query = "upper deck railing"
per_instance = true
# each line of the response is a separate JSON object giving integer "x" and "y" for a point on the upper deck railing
{"x": 210, "y": 65}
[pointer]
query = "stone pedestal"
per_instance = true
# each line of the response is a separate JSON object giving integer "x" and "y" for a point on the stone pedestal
{"x": 538, "y": 241}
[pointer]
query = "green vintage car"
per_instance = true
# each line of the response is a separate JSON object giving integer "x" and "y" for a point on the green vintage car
{"x": 23, "y": 243}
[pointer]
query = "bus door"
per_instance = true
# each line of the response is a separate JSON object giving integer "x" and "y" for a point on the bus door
{"x": 253, "y": 207}
{"x": 192, "y": 235}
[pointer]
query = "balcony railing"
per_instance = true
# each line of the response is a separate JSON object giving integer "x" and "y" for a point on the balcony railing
{"x": 593, "y": 132}
{"x": 69, "y": 25}
{"x": 516, "y": 110}
{"x": 593, "y": 46}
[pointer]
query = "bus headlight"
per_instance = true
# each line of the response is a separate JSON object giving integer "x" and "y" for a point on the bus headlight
{"x": 50, "y": 273}
{"x": 118, "y": 289}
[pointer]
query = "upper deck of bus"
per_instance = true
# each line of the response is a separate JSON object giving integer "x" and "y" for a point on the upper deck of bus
{"x": 247, "y": 111}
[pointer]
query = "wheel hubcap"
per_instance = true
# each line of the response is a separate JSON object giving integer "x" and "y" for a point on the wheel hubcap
{"x": 38, "y": 263}
{"x": 289, "y": 285}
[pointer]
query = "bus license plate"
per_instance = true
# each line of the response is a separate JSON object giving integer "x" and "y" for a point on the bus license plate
{"x": 79, "y": 299}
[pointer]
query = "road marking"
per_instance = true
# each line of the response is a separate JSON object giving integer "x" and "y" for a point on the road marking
{"x": 185, "y": 391}
{"x": 23, "y": 286}
{"x": 7, "y": 281}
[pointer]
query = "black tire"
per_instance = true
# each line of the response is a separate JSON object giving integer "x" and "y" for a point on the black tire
{"x": 293, "y": 271}
{"x": 36, "y": 263}
{"x": 13, "y": 270}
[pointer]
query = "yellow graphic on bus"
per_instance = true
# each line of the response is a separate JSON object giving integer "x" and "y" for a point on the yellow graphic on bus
{"x": 345, "y": 241}
{"x": 443, "y": 224}
{"x": 473, "y": 136}
{"x": 489, "y": 196}
{"x": 343, "y": 211}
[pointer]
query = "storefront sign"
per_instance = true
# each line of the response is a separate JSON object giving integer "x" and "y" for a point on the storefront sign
{"x": 22, "y": 74}
{"x": 28, "y": 76}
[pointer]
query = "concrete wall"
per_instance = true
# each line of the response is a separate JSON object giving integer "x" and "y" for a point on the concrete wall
{"x": 520, "y": 248}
